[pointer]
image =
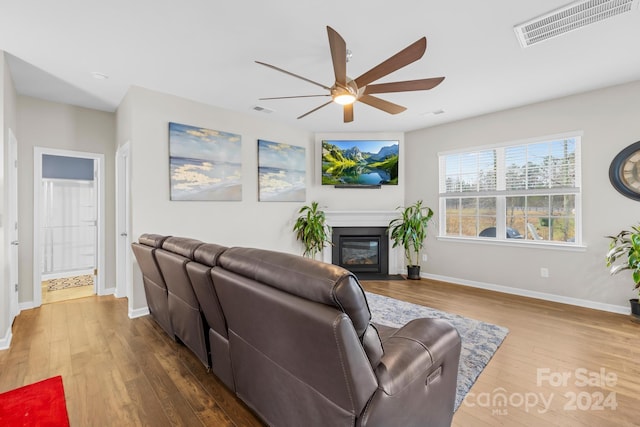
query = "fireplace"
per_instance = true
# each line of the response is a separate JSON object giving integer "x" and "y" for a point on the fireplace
{"x": 361, "y": 249}
{"x": 369, "y": 219}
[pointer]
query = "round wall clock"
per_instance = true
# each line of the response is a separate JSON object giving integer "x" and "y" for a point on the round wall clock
{"x": 624, "y": 172}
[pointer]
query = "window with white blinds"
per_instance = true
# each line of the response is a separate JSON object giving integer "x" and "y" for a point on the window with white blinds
{"x": 527, "y": 192}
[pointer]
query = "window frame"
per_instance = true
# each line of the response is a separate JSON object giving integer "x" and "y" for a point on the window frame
{"x": 501, "y": 194}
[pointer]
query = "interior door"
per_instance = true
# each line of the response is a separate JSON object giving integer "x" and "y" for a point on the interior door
{"x": 123, "y": 237}
{"x": 13, "y": 225}
{"x": 69, "y": 226}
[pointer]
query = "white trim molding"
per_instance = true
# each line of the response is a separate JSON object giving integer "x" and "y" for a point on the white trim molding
{"x": 5, "y": 342}
{"x": 138, "y": 312}
{"x": 531, "y": 294}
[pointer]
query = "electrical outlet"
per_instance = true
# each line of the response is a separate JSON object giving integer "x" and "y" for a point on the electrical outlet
{"x": 544, "y": 272}
{"x": 424, "y": 257}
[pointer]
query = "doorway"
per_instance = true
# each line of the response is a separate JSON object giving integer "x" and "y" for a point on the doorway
{"x": 68, "y": 249}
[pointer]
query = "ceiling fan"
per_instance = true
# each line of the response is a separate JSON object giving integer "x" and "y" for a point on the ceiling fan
{"x": 345, "y": 91}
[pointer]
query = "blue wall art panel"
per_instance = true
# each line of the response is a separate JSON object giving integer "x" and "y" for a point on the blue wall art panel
{"x": 281, "y": 172}
{"x": 205, "y": 164}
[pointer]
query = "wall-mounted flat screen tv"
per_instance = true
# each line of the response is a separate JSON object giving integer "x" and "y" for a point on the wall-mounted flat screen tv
{"x": 354, "y": 163}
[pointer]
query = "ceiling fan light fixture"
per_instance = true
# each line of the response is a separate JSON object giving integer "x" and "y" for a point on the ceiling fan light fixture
{"x": 343, "y": 95}
{"x": 344, "y": 99}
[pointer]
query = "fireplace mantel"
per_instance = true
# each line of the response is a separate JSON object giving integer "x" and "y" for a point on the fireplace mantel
{"x": 365, "y": 219}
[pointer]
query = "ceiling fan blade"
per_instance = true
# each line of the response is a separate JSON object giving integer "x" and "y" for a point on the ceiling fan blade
{"x": 292, "y": 74}
{"x": 381, "y": 104}
{"x": 315, "y": 109}
{"x": 405, "y": 57}
{"x": 338, "y": 56}
{"x": 406, "y": 86}
{"x": 348, "y": 113}
{"x": 289, "y": 97}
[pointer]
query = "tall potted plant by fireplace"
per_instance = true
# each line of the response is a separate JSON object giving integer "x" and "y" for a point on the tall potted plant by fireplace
{"x": 410, "y": 231}
{"x": 312, "y": 230}
{"x": 624, "y": 254}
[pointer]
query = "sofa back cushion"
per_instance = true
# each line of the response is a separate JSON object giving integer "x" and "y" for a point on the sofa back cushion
{"x": 295, "y": 361}
{"x": 312, "y": 280}
{"x": 200, "y": 274}
{"x": 184, "y": 308}
{"x": 176, "y": 252}
{"x": 155, "y": 287}
{"x": 181, "y": 245}
{"x": 153, "y": 240}
{"x": 144, "y": 251}
{"x": 208, "y": 254}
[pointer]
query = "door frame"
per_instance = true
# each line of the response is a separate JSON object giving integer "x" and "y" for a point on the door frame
{"x": 12, "y": 226}
{"x": 38, "y": 152}
{"x": 124, "y": 280}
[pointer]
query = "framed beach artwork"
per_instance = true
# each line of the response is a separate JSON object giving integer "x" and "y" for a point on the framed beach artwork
{"x": 281, "y": 172}
{"x": 205, "y": 164}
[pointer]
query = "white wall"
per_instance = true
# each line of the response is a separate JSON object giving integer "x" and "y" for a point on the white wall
{"x": 609, "y": 120}
{"x": 60, "y": 126}
{"x": 143, "y": 119}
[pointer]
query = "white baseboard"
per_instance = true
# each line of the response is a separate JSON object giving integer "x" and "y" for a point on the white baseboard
{"x": 64, "y": 274}
{"x": 138, "y": 312}
{"x": 5, "y": 341}
{"x": 108, "y": 291}
{"x": 27, "y": 305}
{"x": 531, "y": 294}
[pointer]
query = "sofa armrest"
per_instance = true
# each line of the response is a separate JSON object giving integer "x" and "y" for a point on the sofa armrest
{"x": 415, "y": 352}
{"x": 416, "y": 377}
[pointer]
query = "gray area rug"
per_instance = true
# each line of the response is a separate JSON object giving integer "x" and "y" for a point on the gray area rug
{"x": 480, "y": 340}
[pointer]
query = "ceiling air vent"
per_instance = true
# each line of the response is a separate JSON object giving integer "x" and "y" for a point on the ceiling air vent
{"x": 568, "y": 18}
{"x": 262, "y": 109}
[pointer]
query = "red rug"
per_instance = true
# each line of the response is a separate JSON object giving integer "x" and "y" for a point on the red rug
{"x": 39, "y": 404}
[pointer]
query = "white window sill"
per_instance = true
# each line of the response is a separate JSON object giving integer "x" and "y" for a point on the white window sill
{"x": 517, "y": 243}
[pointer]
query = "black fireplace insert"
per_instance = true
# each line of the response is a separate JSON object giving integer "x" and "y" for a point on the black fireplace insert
{"x": 361, "y": 249}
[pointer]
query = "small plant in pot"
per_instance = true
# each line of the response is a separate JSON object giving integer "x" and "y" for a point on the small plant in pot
{"x": 624, "y": 254}
{"x": 312, "y": 230}
{"x": 410, "y": 231}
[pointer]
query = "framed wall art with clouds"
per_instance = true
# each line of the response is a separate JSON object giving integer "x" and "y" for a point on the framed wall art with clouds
{"x": 281, "y": 172}
{"x": 205, "y": 164}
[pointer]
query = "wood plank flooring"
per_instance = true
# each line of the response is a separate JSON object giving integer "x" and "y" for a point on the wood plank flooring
{"x": 546, "y": 342}
{"x": 65, "y": 294}
{"x": 123, "y": 372}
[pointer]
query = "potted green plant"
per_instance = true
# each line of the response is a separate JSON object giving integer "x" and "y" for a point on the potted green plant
{"x": 312, "y": 230}
{"x": 410, "y": 231}
{"x": 624, "y": 254}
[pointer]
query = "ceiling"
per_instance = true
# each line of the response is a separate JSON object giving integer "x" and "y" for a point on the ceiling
{"x": 205, "y": 51}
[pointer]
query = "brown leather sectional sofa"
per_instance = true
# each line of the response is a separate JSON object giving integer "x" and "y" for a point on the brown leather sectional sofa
{"x": 293, "y": 337}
